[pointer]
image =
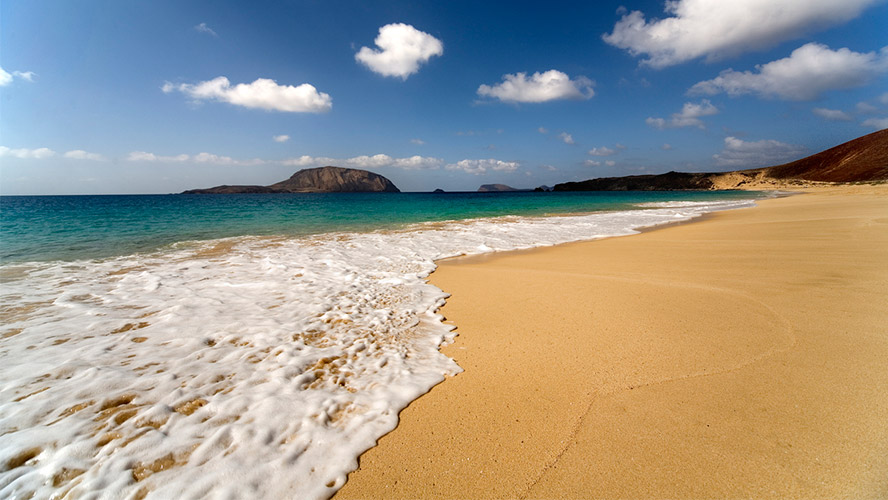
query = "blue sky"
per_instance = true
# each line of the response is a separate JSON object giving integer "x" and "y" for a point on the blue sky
{"x": 163, "y": 96}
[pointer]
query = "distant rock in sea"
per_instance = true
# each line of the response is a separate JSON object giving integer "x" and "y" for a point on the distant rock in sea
{"x": 495, "y": 188}
{"x": 542, "y": 189}
{"x": 315, "y": 180}
{"x": 438, "y": 191}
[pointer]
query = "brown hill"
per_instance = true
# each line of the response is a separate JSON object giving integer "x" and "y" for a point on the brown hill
{"x": 864, "y": 159}
{"x": 315, "y": 180}
{"x": 860, "y": 160}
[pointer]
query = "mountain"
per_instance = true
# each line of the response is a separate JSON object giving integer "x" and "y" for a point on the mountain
{"x": 495, "y": 188}
{"x": 315, "y": 180}
{"x": 864, "y": 159}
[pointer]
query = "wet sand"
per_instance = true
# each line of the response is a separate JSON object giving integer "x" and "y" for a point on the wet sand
{"x": 740, "y": 356}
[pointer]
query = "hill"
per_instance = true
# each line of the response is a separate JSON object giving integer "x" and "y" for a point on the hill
{"x": 315, "y": 180}
{"x": 495, "y": 188}
{"x": 864, "y": 159}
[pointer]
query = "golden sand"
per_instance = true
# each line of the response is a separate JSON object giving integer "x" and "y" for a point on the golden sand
{"x": 742, "y": 356}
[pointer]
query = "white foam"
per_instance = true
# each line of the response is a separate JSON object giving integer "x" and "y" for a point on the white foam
{"x": 262, "y": 371}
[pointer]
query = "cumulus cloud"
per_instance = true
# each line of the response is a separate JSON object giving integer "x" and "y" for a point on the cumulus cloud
{"x": 262, "y": 94}
{"x": 738, "y": 153}
{"x": 478, "y": 167}
{"x": 703, "y": 28}
{"x": 203, "y": 28}
{"x": 666, "y": 147}
{"x": 402, "y": 49}
{"x": 876, "y": 123}
{"x": 832, "y": 114}
{"x": 884, "y": 98}
{"x": 610, "y": 163}
{"x": 567, "y": 138}
{"x": 540, "y": 87}
{"x": 24, "y": 153}
{"x": 542, "y": 130}
{"x": 281, "y": 138}
{"x": 592, "y": 163}
{"x": 602, "y": 151}
{"x": 418, "y": 142}
{"x": 79, "y": 154}
{"x": 809, "y": 71}
{"x": 689, "y": 116}
{"x": 367, "y": 161}
{"x": 548, "y": 168}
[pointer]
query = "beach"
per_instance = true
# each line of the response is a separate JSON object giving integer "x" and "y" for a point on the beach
{"x": 742, "y": 355}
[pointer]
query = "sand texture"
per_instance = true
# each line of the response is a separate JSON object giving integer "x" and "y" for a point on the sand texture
{"x": 743, "y": 356}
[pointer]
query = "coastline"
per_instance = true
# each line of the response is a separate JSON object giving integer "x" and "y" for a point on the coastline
{"x": 737, "y": 356}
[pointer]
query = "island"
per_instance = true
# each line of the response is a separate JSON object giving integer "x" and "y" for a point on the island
{"x": 327, "y": 179}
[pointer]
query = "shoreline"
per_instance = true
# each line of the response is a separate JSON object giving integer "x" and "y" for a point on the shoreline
{"x": 684, "y": 367}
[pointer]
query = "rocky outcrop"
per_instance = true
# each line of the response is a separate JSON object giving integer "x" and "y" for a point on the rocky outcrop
{"x": 315, "y": 180}
{"x": 495, "y": 188}
{"x": 335, "y": 180}
{"x": 864, "y": 159}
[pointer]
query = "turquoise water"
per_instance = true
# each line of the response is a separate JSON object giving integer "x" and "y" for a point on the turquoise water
{"x": 45, "y": 228}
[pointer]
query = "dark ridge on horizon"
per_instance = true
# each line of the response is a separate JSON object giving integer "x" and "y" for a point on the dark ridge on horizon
{"x": 864, "y": 159}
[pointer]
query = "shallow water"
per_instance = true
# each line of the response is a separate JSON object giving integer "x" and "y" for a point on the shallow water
{"x": 242, "y": 367}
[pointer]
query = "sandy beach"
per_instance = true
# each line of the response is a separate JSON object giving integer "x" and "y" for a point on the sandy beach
{"x": 739, "y": 356}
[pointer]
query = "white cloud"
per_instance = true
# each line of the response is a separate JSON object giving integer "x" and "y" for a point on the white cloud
{"x": 567, "y": 138}
{"x": 542, "y": 130}
{"x": 365, "y": 161}
{"x": 610, "y": 163}
{"x": 689, "y": 116}
{"x": 876, "y": 123}
{"x": 6, "y": 78}
{"x": 808, "y": 72}
{"x": 223, "y": 160}
{"x": 402, "y": 49}
{"x": 602, "y": 151}
{"x": 24, "y": 153}
{"x": 482, "y": 166}
{"x": 25, "y": 75}
{"x": 666, "y": 147}
{"x": 832, "y": 114}
{"x": 209, "y": 158}
{"x": 203, "y": 28}
{"x": 418, "y": 142}
{"x": 592, "y": 163}
{"x": 884, "y": 98}
{"x": 750, "y": 154}
{"x": 262, "y": 93}
{"x": 540, "y": 87}
{"x": 704, "y": 28}
{"x": 281, "y": 138}
{"x": 79, "y": 154}
{"x": 548, "y": 168}
{"x": 145, "y": 156}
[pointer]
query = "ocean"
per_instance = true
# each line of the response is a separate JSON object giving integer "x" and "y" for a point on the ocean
{"x": 245, "y": 346}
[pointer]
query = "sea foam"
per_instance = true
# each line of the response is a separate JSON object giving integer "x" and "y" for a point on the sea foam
{"x": 238, "y": 368}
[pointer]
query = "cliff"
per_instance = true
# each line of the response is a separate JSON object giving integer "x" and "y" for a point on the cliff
{"x": 315, "y": 180}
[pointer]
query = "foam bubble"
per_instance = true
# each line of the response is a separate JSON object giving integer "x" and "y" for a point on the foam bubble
{"x": 240, "y": 368}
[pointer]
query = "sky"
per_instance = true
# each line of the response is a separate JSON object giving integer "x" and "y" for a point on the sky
{"x": 109, "y": 97}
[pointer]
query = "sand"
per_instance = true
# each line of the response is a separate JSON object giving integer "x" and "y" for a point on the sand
{"x": 745, "y": 355}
